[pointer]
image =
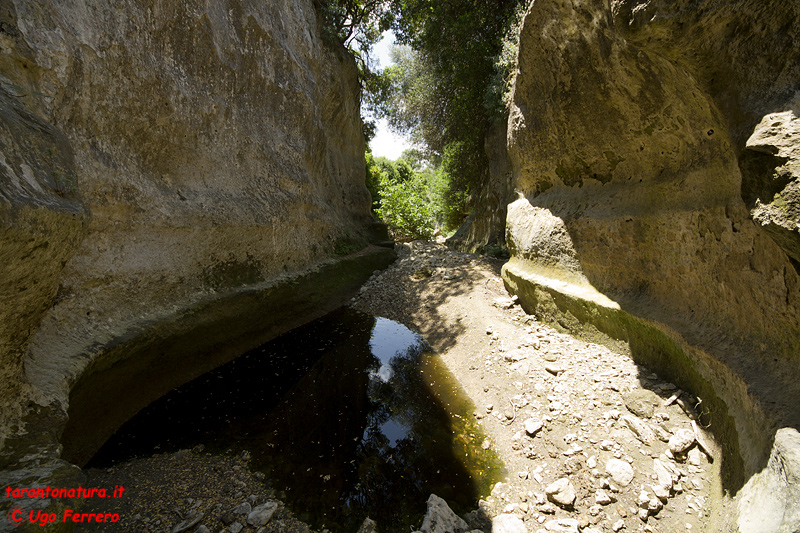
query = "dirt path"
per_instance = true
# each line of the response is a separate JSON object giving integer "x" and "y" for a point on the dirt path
{"x": 572, "y": 421}
{"x": 584, "y": 433}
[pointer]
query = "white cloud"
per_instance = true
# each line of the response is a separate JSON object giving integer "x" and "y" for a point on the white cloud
{"x": 381, "y": 50}
{"x": 386, "y": 143}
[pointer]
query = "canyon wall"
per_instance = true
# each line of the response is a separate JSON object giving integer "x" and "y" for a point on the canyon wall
{"x": 181, "y": 181}
{"x": 653, "y": 147}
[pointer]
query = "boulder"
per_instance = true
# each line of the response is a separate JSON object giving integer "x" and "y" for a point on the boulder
{"x": 771, "y": 499}
{"x": 771, "y": 177}
{"x": 441, "y": 519}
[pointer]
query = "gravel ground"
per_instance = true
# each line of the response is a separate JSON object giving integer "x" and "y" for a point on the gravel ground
{"x": 189, "y": 491}
{"x": 591, "y": 441}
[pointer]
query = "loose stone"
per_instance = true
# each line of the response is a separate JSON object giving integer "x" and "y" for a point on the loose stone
{"x": 547, "y": 508}
{"x": 554, "y": 368}
{"x": 440, "y": 518}
{"x": 695, "y": 457}
{"x": 663, "y": 474}
{"x": 561, "y": 492}
{"x": 262, "y": 514}
{"x": 550, "y": 357}
{"x": 639, "y": 428}
{"x": 641, "y": 402}
{"x": 508, "y": 523}
{"x": 602, "y": 497}
{"x": 620, "y": 471}
{"x": 189, "y": 523}
{"x": 562, "y": 525}
{"x": 681, "y": 441}
{"x": 242, "y": 508}
{"x": 644, "y": 499}
{"x": 368, "y": 526}
{"x": 661, "y": 492}
{"x": 533, "y": 426}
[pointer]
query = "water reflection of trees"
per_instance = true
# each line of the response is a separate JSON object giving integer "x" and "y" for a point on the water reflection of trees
{"x": 398, "y": 477}
{"x": 313, "y": 412}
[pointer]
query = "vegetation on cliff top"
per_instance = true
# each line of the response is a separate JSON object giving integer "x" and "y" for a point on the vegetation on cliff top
{"x": 447, "y": 86}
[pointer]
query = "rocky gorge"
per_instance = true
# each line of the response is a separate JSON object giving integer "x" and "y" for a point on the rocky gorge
{"x": 182, "y": 181}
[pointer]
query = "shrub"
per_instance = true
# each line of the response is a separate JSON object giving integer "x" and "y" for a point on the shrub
{"x": 406, "y": 209}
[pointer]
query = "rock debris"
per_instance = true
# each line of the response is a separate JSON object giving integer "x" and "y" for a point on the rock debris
{"x": 597, "y": 443}
{"x": 592, "y": 442}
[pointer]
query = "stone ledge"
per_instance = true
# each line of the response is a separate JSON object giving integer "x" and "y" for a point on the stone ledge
{"x": 740, "y": 423}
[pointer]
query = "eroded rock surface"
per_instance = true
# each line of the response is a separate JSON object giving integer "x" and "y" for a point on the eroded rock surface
{"x": 771, "y": 178}
{"x": 627, "y": 136}
{"x": 215, "y": 145}
{"x": 181, "y": 181}
{"x": 42, "y": 221}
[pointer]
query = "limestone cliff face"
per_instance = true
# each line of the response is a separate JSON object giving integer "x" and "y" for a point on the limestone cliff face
{"x": 751, "y": 71}
{"x": 42, "y": 221}
{"x": 486, "y": 225}
{"x": 629, "y": 125}
{"x": 212, "y": 146}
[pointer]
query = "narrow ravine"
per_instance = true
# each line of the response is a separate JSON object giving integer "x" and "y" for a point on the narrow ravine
{"x": 590, "y": 441}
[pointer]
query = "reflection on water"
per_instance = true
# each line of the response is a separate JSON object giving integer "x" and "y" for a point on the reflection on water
{"x": 350, "y": 416}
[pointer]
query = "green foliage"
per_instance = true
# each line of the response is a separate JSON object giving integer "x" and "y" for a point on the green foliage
{"x": 405, "y": 208}
{"x": 408, "y": 194}
{"x": 449, "y": 83}
{"x": 356, "y": 24}
{"x": 374, "y": 173}
{"x": 415, "y": 159}
{"x": 498, "y": 92}
{"x": 457, "y": 44}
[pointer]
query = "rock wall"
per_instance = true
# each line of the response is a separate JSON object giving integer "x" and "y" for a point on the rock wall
{"x": 751, "y": 70}
{"x": 629, "y": 133}
{"x": 42, "y": 221}
{"x": 484, "y": 228}
{"x": 191, "y": 160}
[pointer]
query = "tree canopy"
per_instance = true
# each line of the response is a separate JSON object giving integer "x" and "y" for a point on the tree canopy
{"x": 449, "y": 79}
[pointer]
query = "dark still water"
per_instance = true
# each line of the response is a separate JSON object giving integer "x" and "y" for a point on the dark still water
{"x": 350, "y": 416}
